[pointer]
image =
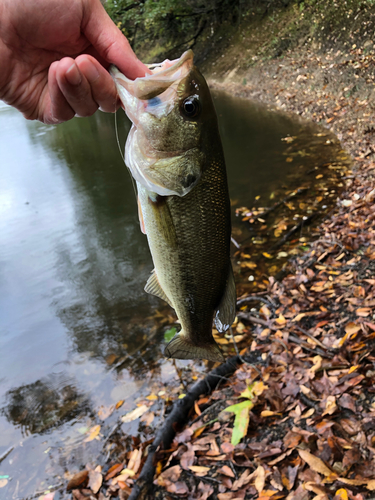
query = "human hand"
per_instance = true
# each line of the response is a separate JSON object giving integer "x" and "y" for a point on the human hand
{"x": 53, "y": 56}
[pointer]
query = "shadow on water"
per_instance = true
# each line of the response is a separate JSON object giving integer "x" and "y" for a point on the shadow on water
{"x": 77, "y": 331}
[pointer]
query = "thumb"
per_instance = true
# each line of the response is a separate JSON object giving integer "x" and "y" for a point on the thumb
{"x": 108, "y": 40}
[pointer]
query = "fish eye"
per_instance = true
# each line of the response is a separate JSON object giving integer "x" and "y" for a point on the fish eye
{"x": 191, "y": 107}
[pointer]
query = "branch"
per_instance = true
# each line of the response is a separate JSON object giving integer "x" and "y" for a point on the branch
{"x": 178, "y": 416}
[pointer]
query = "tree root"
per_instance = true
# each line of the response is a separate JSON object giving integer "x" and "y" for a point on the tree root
{"x": 178, "y": 416}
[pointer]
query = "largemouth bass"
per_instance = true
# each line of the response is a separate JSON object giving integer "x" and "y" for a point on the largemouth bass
{"x": 174, "y": 153}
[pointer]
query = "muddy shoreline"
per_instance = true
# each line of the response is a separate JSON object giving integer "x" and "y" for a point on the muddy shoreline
{"x": 334, "y": 90}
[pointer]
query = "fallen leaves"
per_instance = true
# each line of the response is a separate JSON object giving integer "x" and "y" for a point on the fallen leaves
{"x": 241, "y": 411}
{"x": 94, "y": 434}
{"x": 315, "y": 463}
{"x": 134, "y": 414}
{"x": 95, "y": 479}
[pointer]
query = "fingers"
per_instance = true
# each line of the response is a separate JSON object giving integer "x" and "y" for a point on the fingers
{"x": 78, "y": 87}
{"x": 54, "y": 108}
{"x": 110, "y": 43}
{"x": 102, "y": 86}
{"x": 75, "y": 87}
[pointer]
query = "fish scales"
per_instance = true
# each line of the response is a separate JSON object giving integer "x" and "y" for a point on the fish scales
{"x": 193, "y": 272}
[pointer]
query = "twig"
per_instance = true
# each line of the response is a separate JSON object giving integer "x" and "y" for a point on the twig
{"x": 311, "y": 337}
{"x": 42, "y": 492}
{"x": 255, "y": 320}
{"x": 239, "y": 355}
{"x": 281, "y": 202}
{"x": 304, "y": 222}
{"x": 330, "y": 242}
{"x": 137, "y": 351}
{"x": 237, "y": 245}
{"x": 176, "y": 417}
{"x": 179, "y": 374}
{"x": 112, "y": 431}
{"x": 204, "y": 412}
{"x": 297, "y": 340}
{"x": 6, "y": 453}
{"x": 251, "y": 298}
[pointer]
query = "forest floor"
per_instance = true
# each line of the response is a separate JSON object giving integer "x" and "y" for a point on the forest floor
{"x": 302, "y": 418}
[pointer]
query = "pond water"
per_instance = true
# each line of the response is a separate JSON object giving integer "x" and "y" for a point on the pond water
{"x": 74, "y": 319}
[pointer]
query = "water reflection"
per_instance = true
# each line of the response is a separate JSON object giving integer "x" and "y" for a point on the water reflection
{"x": 44, "y": 404}
{"x": 103, "y": 271}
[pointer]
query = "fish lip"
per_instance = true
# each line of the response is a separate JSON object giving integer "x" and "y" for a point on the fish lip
{"x": 141, "y": 87}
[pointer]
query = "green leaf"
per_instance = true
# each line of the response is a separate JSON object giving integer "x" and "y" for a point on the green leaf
{"x": 248, "y": 392}
{"x": 169, "y": 334}
{"x": 241, "y": 421}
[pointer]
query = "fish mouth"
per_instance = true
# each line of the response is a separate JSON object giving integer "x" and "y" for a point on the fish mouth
{"x": 162, "y": 77}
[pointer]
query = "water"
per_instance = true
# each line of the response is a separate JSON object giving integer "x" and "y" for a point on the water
{"x": 74, "y": 319}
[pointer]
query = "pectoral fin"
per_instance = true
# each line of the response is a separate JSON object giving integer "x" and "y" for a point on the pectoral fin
{"x": 140, "y": 215}
{"x": 226, "y": 312}
{"x": 153, "y": 287}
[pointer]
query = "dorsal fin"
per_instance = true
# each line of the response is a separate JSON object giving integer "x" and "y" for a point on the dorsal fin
{"x": 226, "y": 312}
{"x": 153, "y": 287}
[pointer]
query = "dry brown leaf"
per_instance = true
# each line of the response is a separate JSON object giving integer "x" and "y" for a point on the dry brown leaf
{"x": 188, "y": 457}
{"x": 95, "y": 480}
{"x": 298, "y": 317}
{"x": 199, "y": 470}
{"x": 227, "y": 471}
{"x": 3, "y": 482}
{"x": 315, "y": 463}
{"x": 94, "y": 434}
{"x": 245, "y": 478}
{"x": 77, "y": 480}
{"x": 367, "y": 483}
{"x": 351, "y": 328}
{"x": 363, "y": 312}
{"x": 260, "y": 478}
{"x": 112, "y": 471}
{"x": 331, "y": 406}
{"x": 134, "y": 414}
{"x": 341, "y": 494}
{"x": 268, "y": 413}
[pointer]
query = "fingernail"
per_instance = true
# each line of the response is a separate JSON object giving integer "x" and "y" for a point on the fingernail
{"x": 73, "y": 75}
{"x": 91, "y": 72}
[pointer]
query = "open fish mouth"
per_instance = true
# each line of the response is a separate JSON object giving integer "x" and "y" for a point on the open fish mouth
{"x": 147, "y": 101}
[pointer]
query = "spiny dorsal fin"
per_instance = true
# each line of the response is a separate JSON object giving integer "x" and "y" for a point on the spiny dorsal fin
{"x": 153, "y": 287}
{"x": 226, "y": 312}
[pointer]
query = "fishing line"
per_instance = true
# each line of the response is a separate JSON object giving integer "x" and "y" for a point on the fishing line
{"x": 123, "y": 157}
{"x": 241, "y": 358}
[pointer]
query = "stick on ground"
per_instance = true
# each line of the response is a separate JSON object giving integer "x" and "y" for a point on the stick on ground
{"x": 178, "y": 416}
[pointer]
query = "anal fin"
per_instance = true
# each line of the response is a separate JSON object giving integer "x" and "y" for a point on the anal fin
{"x": 154, "y": 288}
{"x": 226, "y": 312}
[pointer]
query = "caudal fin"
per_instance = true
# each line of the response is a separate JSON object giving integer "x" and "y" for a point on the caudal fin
{"x": 182, "y": 348}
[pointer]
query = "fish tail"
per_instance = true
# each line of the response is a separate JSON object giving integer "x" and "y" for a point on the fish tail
{"x": 181, "y": 347}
